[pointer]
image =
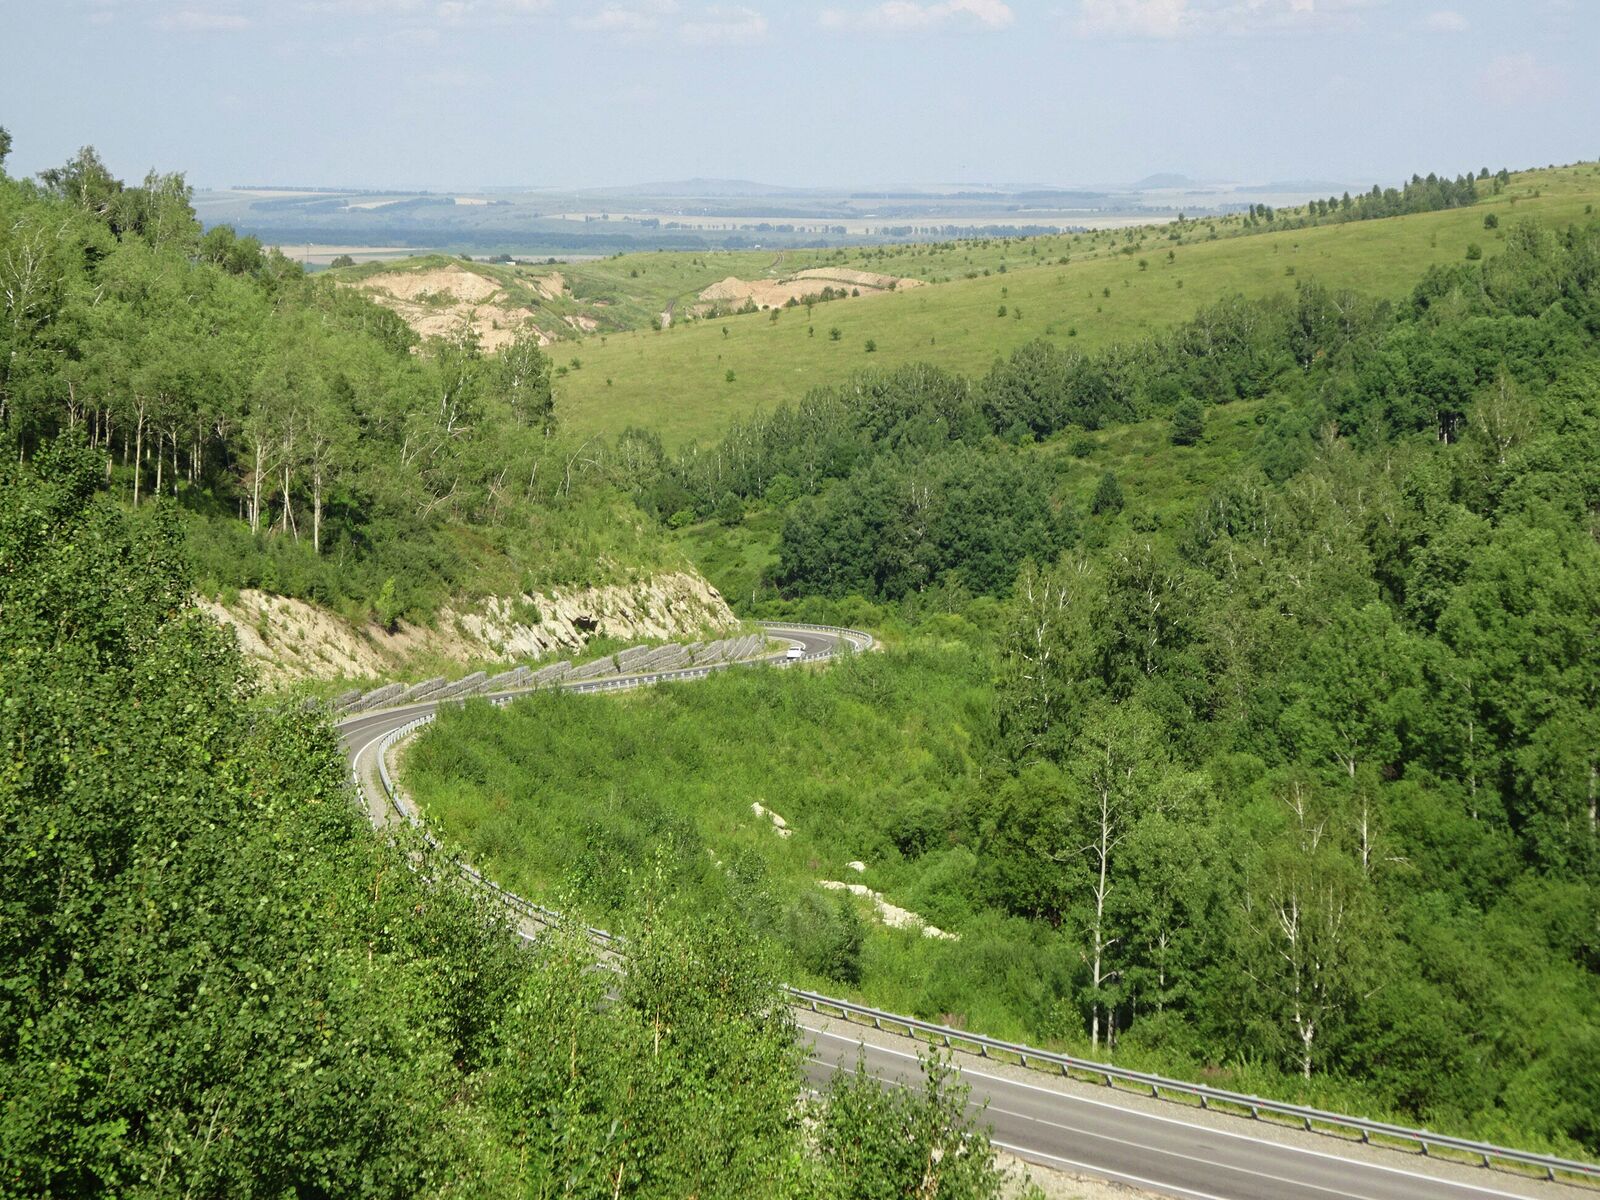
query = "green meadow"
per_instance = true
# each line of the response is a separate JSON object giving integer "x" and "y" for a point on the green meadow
{"x": 677, "y": 381}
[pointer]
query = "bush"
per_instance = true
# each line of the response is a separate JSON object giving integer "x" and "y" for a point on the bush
{"x": 1107, "y": 497}
{"x": 825, "y": 935}
{"x": 1188, "y": 423}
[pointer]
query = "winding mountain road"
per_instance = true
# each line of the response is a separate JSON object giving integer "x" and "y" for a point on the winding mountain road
{"x": 1158, "y": 1146}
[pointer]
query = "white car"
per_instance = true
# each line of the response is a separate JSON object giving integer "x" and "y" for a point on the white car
{"x": 795, "y": 653}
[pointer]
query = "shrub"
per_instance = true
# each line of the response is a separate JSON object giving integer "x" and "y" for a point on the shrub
{"x": 1188, "y": 423}
{"x": 1107, "y": 497}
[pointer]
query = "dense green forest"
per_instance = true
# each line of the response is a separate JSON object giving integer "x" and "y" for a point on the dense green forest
{"x": 1300, "y": 774}
{"x": 315, "y": 448}
{"x": 220, "y": 982}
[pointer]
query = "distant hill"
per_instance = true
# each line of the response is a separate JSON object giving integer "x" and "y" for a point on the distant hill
{"x": 699, "y": 188}
{"x": 1316, "y": 186}
{"x": 1153, "y": 182}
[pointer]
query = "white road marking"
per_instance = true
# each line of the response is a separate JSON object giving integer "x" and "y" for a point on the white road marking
{"x": 366, "y": 749}
{"x": 1193, "y": 1128}
{"x": 1117, "y": 1176}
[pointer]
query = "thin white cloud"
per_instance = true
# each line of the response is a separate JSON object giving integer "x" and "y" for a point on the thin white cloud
{"x": 1445, "y": 20}
{"x": 192, "y": 20}
{"x": 1135, "y": 18}
{"x": 456, "y": 12}
{"x": 626, "y": 20}
{"x": 446, "y": 12}
{"x": 908, "y": 16}
{"x": 1521, "y": 79}
{"x": 1229, "y": 18}
{"x": 724, "y": 26}
{"x": 707, "y": 26}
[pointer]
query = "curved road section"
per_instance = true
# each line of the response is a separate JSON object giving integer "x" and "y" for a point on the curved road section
{"x": 1161, "y": 1147}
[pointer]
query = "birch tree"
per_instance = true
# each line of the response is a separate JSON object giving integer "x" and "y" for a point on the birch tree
{"x": 1122, "y": 776}
{"x": 1307, "y": 928}
{"x": 1044, "y": 673}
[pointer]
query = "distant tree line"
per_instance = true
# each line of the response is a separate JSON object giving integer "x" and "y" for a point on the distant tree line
{"x": 1417, "y": 195}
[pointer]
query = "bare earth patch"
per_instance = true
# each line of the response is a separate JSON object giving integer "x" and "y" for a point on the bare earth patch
{"x": 551, "y": 286}
{"x": 438, "y": 302}
{"x": 775, "y": 293}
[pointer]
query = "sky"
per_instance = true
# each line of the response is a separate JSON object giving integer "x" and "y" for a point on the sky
{"x": 845, "y": 93}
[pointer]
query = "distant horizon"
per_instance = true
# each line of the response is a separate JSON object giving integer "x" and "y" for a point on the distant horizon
{"x": 1144, "y": 184}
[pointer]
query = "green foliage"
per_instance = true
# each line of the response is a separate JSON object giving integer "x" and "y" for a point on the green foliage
{"x": 1344, "y": 647}
{"x": 1108, "y": 499}
{"x": 1188, "y": 423}
{"x": 220, "y": 982}
{"x": 206, "y": 992}
{"x": 315, "y": 449}
{"x": 881, "y": 1143}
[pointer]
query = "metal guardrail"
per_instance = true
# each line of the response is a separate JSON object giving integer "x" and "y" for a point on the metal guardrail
{"x": 1159, "y": 1087}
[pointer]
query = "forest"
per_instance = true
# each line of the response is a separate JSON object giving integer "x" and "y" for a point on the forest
{"x": 1416, "y": 195}
{"x": 220, "y": 983}
{"x": 312, "y": 448}
{"x": 1297, "y": 775}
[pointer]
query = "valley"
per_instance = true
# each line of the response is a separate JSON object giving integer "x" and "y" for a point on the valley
{"x": 1232, "y": 588}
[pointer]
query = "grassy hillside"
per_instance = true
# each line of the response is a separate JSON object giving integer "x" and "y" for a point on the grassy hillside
{"x": 676, "y": 381}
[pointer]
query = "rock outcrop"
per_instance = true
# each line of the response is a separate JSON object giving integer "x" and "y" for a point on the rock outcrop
{"x": 292, "y": 640}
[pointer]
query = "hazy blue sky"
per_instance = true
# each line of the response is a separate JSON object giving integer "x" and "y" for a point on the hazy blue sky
{"x": 484, "y": 92}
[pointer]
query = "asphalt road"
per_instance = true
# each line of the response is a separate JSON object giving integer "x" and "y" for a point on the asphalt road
{"x": 1049, "y": 1125}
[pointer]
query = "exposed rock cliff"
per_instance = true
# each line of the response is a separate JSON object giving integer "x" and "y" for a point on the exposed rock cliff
{"x": 290, "y": 639}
